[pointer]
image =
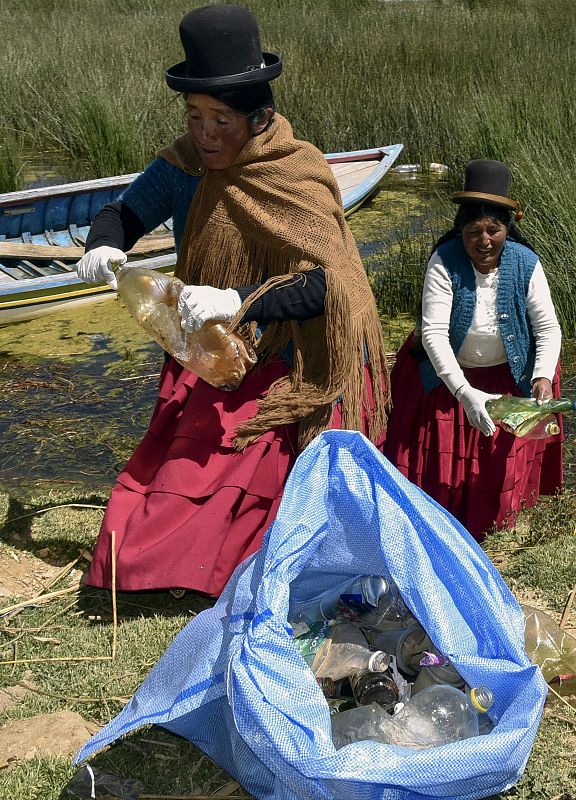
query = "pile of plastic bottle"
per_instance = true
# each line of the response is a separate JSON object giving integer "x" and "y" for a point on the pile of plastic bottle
{"x": 382, "y": 677}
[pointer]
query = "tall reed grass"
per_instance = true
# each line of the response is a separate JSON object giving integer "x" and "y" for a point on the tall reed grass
{"x": 452, "y": 80}
{"x": 11, "y": 162}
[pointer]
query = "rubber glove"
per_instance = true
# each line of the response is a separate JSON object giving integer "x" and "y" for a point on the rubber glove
{"x": 94, "y": 266}
{"x": 196, "y": 304}
{"x": 474, "y": 404}
{"x": 542, "y": 390}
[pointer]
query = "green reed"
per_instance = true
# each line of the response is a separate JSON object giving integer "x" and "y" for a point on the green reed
{"x": 451, "y": 80}
{"x": 10, "y": 164}
{"x": 396, "y": 273}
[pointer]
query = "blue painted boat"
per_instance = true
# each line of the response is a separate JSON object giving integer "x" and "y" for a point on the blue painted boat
{"x": 43, "y": 232}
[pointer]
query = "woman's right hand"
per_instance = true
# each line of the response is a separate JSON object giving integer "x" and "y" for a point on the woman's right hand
{"x": 474, "y": 404}
{"x": 95, "y": 265}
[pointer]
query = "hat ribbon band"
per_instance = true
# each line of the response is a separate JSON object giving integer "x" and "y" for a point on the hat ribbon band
{"x": 494, "y": 198}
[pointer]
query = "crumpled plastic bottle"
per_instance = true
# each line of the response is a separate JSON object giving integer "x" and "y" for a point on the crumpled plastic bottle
{"x": 221, "y": 359}
{"x": 408, "y": 645}
{"x": 339, "y": 650}
{"x": 522, "y": 416}
{"x": 435, "y": 716}
{"x": 549, "y": 646}
{"x": 373, "y": 601}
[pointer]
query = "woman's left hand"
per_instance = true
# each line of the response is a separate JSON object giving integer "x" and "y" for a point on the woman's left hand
{"x": 196, "y": 304}
{"x": 541, "y": 390}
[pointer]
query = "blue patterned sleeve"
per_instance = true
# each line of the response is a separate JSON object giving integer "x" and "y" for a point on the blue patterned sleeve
{"x": 159, "y": 193}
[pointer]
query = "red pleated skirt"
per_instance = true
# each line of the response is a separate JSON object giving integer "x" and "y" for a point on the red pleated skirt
{"x": 188, "y": 508}
{"x": 483, "y": 481}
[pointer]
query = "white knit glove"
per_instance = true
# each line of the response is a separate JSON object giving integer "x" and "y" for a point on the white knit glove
{"x": 196, "y": 304}
{"x": 474, "y": 404}
{"x": 94, "y": 266}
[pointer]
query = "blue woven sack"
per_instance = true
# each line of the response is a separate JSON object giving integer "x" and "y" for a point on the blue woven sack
{"x": 233, "y": 683}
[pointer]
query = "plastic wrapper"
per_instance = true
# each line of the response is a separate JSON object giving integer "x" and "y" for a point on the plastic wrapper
{"x": 90, "y": 783}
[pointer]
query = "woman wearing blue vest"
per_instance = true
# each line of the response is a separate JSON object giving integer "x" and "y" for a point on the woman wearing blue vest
{"x": 488, "y": 328}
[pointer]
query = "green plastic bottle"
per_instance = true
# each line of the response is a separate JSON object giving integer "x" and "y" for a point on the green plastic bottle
{"x": 522, "y": 416}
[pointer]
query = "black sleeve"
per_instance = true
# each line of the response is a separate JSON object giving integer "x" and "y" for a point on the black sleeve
{"x": 302, "y": 298}
{"x": 116, "y": 225}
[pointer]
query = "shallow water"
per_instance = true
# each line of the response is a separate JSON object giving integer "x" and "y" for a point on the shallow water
{"x": 77, "y": 390}
{"x": 78, "y": 386}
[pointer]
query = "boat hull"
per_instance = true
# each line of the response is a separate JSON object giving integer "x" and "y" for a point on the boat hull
{"x": 43, "y": 232}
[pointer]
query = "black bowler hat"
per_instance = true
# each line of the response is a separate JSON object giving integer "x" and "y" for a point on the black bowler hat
{"x": 486, "y": 182}
{"x": 222, "y": 47}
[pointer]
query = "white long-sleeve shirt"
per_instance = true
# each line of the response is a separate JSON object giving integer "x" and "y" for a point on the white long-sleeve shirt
{"x": 483, "y": 345}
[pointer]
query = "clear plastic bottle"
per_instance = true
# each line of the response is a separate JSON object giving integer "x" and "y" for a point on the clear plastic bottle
{"x": 346, "y": 601}
{"x": 436, "y": 669}
{"x": 435, "y": 716}
{"x": 522, "y": 416}
{"x": 407, "y": 644}
{"x": 375, "y": 687}
{"x": 548, "y": 645}
{"x": 339, "y": 650}
{"x": 359, "y": 724}
{"x": 373, "y": 601}
{"x": 441, "y": 714}
{"x": 221, "y": 359}
{"x": 391, "y": 613}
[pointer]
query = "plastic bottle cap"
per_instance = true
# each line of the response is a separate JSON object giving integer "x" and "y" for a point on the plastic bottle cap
{"x": 481, "y": 698}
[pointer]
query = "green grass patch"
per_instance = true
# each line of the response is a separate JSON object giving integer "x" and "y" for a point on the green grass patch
{"x": 541, "y": 552}
{"x": 79, "y": 627}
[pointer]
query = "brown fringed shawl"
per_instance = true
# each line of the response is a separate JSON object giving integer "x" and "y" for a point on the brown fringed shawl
{"x": 275, "y": 213}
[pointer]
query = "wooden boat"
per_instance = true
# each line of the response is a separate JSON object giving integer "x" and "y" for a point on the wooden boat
{"x": 43, "y": 232}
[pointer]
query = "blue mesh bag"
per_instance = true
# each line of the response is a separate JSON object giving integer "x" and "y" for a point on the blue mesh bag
{"x": 234, "y": 684}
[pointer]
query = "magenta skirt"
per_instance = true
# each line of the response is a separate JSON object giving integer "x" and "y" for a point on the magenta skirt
{"x": 483, "y": 481}
{"x": 188, "y": 508}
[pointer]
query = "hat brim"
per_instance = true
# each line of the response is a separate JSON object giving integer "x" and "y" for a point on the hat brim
{"x": 177, "y": 79}
{"x": 487, "y": 199}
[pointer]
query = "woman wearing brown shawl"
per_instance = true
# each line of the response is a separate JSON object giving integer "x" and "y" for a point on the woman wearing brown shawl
{"x": 257, "y": 210}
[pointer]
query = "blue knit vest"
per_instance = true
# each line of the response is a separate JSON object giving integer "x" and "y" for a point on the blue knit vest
{"x": 514, "y": 274}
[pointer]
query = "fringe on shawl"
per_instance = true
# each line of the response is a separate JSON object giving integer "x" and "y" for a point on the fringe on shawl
{"x": 323, "y": 371}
